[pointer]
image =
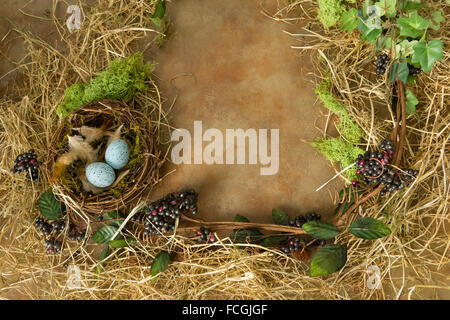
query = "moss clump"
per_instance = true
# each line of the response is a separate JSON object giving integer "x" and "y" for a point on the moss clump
{"x": 348, "y": 129}
{"x": 120, "y": 81}
{"x": 330, "y": 12}
{"x": 341, "y": 149}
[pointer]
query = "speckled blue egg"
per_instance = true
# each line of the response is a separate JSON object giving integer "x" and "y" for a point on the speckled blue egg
{"x": 117, "y": 154}
{"x": 100, "y": 174}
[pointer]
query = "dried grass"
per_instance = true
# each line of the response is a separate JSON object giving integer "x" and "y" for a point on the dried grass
{"x": 413, "y": 260}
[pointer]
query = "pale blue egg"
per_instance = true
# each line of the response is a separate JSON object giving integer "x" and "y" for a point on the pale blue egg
{"x": 100, "y": 174}
{"x": 117, "y": 154}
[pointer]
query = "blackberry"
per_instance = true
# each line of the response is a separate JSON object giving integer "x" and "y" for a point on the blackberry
{"x": 381, "y": 63}
{"x": 27, "y": 162}
{"x": 205, "y": 235}
{"x": 294, "y": 243}
{"x": 75, "y": 235}
{"x": 160, "y": 216}
{"x": 414, "y": 71}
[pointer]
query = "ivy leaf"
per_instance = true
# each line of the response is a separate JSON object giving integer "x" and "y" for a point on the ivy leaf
{"x": 427, "y": 54}
{"x": 280, "y": 217}
{"x": 436, "y": 18}
{"x": 405, "y": 48}
{"x": 121, "y": 243}
{"x": 387, "y": 7}
{"x": 369, "y": 228}
{"x": 321, "y": 229}
{"x": 412, "y": 6}
{"x": 104, "y": 234}
{"x": 411, "y": 102}
{"x": 400, "y": 71}
{"x": 370, "y": 31}
{"x": 160, "y": 9}
{"x": 113, "y": 215}
{"x": 412, "y": 26}
{"x": 328, "y": 259}
{"x": 49, "y": 206}
{"x": 350, "y": 20}
{"x": 160, "y": 264}
{"x": 383, "y": 43}
{"x": 272, "y": 241}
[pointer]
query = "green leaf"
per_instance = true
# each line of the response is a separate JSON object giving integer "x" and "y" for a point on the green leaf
{"x": 328, "y": 259}
{"x": 160, "y": 9}
{"x": 387, "y": 7}
{"x": 121, "y": 243}
{"x": 239, "y": 218}
{"x": 413, "y": 26}
{"x": 436, "y": 18}
{"x": 49, "y": 206}
{"x": 350, "y": 20}
{"x": 104, "y": 234}
{"x": 412, "y": 6}
{"x": 369, "y": 228}
{"x": 272, "y": 241}
{"x": 405, "y": 48}
{"x": 411, "y": 102}
{"x": 321, "y": 229}
{"x": 246, "y": 235}
{"x": 384, "y": 43}
{"x": 427, "y": 54}
{"x": 113, "y": 215}
{"x": 400, "y": 71}
{"x": 160, "y": 264}
{"x": 369, "y": 33}
{"x": 279, "y": 217}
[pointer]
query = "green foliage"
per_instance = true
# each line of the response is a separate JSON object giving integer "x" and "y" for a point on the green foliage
{"x": 350, "y": 20}
{"x": 244, "y": 235}
{"x": 120, "y": 81}
{"x": 411, "y": 102}
{"x": 427, "y": 54}
{"x": 400, "y": 71}
{"x": 160, "y": 264}
{"x": 272, "y": 241}
{"x": 330, "y": 258}
{"x": 321, "y": 229}
{"x": 280, "y": 217}
{"x": 49, "y": 206}
{"x": 104, "y": 234}
{"x": 330, "y": 12}
{"x": 412, "y": 26}
{"x": 369, "y": 228}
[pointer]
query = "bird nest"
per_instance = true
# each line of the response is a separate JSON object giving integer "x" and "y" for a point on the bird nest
{"x": 143, "y": 166}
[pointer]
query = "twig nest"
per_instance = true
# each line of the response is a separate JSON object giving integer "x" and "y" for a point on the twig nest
{"x": 130, "y": 150}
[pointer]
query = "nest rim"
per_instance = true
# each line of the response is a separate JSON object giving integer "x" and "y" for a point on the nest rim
{"x": 144, "y": 176}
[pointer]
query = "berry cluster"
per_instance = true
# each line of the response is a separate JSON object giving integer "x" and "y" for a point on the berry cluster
{"x": 27, "y": 162}
{"x": 375, "y": 169}
{"x": 205, "y": 235}
{"x": 381, "y": 63}
{"x": 53, "y": 246}
{"x": 46, "y": 228}
{"x": 296, "y": 243}
{"x": 76, "y": 235}
{"x": 300, "y": 220}
{"x": 160, "y": 216}
{"x": 414, "y": 71}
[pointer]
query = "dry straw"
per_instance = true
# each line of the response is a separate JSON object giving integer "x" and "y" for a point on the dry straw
{"x": 413, "y": 260}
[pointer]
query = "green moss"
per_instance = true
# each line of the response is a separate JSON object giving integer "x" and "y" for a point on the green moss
{"x": 330, "y": 12}
{"x": 348, "y": 129}
{"x": 339, "y": 150}
{"x": 120, "y": 81}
